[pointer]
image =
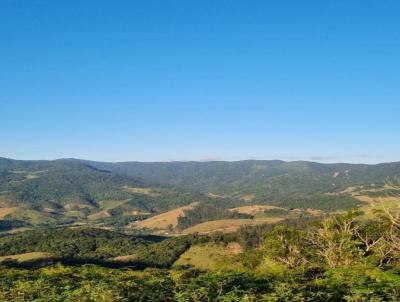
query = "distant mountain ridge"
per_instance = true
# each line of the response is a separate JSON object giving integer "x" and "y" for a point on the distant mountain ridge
{"x": 68, "y": 190}
{"x": 223, "y": 177}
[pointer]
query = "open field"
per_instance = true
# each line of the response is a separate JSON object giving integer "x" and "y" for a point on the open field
{"x": 380, "y": 194}
{"x": 6, "y": 211}
{"x": 227, "y": 225}
{"x": 379, "y": 199}
{"x": 145, "y": 191}
{"x": 370, "y": 209}
{"x": 254, "y": 209}
{"x": 125, "y": 258}
{"x": 207, "y": 256}
{"x": 27, "y": 256}
{"x": 32, "y": 216}
{"x": 111, "y": 204}
{"x": 164, "y": 220}
{"x": 99, "y": 215}
{"x": 248, "y": 197}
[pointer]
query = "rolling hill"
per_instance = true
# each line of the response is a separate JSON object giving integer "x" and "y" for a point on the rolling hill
{"x": 69, "y": 191}
{"x": 256, "y": 179}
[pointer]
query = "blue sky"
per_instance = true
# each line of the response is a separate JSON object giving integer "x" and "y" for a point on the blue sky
{"x": 198, "y": 80}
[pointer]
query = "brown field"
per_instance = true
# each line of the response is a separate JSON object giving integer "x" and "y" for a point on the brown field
{"x": 254, "y": 209}
{"x": 124, "y": 258}
{"x": 164, "y": 220}
{"x": 212, "y": 195}
{"x": 27, "y": 256}
{"x": 371, "y": 200}
{"x": 74, "y": 214}
{"x": 99, "y": 215}
{"x": 227, "y": 225}
{"x": 314, "y": 212}
{"x": 6, "y": 211}
{"x": 361, "y": 193}
{"x": 49, "y": 210}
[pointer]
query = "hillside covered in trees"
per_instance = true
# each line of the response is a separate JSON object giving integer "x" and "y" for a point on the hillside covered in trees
{"x": 347, "y": 257}
{"x": 63, "y": 192}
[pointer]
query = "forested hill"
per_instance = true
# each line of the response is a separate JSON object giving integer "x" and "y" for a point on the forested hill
{"x": 68, "y": 190}
{"x": 272, "y": 179}
{"x": 72, "y": 190}
{"x": 59, "y": 182}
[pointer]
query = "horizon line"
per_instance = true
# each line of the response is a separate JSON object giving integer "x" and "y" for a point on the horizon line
{"x": 204, "y": 161}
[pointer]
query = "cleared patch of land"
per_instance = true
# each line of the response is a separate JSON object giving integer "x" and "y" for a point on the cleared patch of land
{"x": 111, "y": 204}
{"x": 254, "y": 209}
{"x": 32, "y": 216}
{"x": 377, "y": 199}
{"x": 145, "y": 191}
{"x": 314, "y": 212}
{"x": 375, "y": 194}
{"x": 227, "y": 225}
{"x": 207, "y": 256}
{"x": 99, "y": 215}
{"x": 27, "y": 256}
{"x": 125, "y": 258}
{"x": 6, "y": 211}
{"x": 248, "y": 197}
{"x": 75, "y": 206}
{"x": 370, "y": 209}
{"x": 213, "y": 195}
{"x": 75, "y": 214}
{"x": 164, "y": 220}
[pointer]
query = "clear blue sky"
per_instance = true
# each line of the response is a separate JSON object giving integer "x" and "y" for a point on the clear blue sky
{"x": 194, "y": 80}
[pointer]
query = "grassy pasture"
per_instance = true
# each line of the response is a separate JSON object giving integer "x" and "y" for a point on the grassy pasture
{"x": 226, "y": 225}
{"x": 145, "y": 191}
{"x": 6, "y": 211}
{"x": 253, "y": 209}
{"x": 207, "y": 256}
{"x": 164, "y": 220}
{"x": 27, "y": 256}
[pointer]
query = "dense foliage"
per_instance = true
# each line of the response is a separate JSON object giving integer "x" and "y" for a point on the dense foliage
{"x": 71, "y": 243}
{"x": 347, "y": 257}
{"x": 6, "y": 225}
{"x": 90, "y": 283}
{"x": 86, "y": 245}
{"x": 53, "y": 183}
